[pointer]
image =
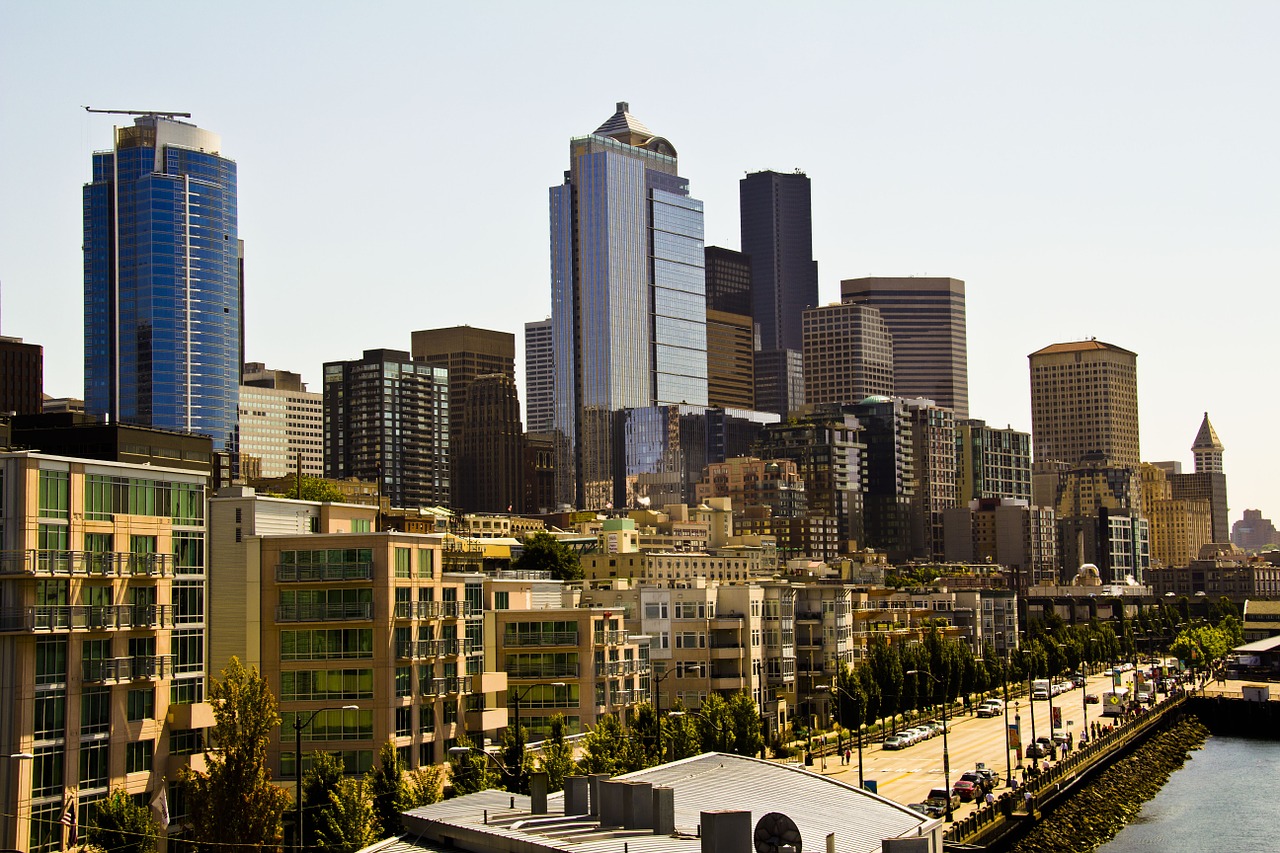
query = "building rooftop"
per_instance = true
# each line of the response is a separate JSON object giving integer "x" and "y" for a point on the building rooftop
{"x": 818, "y": 805}
{"x": 1081, "y": 346}
{"x": 1207, "y": 437}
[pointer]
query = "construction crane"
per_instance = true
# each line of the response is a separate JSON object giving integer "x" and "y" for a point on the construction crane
{"x": 164, "y": 113}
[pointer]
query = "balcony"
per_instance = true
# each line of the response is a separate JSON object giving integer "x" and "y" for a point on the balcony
{"x": 621, "y": 667}
{"x": 418, "y": 649}
{"x": 84, "y": 563}
{"x": 85, "y": 617}
{"x": 417, "y": 609}
{"x": 113, "y": 670}
{"x": 610, "y": 638}
{"x": 358, "y": 611}
{"x": 451, "y": 685}
{"x": 293, "y": 573}
{"x": 550, "y": 638}
{"x": 568, "y": 670}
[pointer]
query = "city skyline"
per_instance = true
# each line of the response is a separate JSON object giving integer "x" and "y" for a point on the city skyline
{"x": 1084, "y": 182}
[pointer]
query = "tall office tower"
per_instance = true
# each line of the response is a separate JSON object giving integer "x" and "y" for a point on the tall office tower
{"x": 933, "y": 436}
{"x": 776, "y": 216}
{"x": 468, "y": 353}
{"x": 102, "y": 628}
{"x": 848, "y": 354}
{"x": 628, "y": 303}
{"x": 890, "y": 484}
{"x": 992, "y": 462}
{"x": 1084, "y": 402}
{"x": 1207, "y": 449}
{"x": 386, "y": 419}
{"x": 539, "y": 378}
{"x": 1179, "y": 527}
{"x": 281, "y": 425}
{"x": 21, "y": 377}
{"x": 1208, "y": 482}
{"x": 926, "y": 318}
{"x": 826, "y": 446}
{"x": 728, "y": 280}
{"x": 489, "y": 470}
{"x": 163, "y": 281}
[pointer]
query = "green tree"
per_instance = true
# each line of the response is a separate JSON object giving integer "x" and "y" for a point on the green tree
{"x": 557, "y": 755}
{"x": 683, "y": 737}
{"x": 422, "y": 787}
{"x": 348, "y": 822}
{"x": 715, "y": 724}
{"x": 317, "y": 783}
{"x": 315, "y": 489}
{"x": 120, "y": 825}
{"x": 235, "y": 801}
{"x": 748, "y": 738}
{"x": 469, "y": 771}
{"x": 604, "y": 748}
{"x": 646, "y": 737}
{"x": 386, "y": 788}
{"x": 545, "y": 553}
{"x": 517, "y": 760}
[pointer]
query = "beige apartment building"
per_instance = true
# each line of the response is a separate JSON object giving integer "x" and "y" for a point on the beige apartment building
{"x": 102, "y": 620}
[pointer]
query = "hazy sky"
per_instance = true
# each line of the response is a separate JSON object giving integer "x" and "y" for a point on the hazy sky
{"x": 1089, "y": 169}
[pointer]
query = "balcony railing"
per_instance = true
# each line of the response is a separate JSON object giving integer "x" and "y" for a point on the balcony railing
{"x": 610, "y": 638}
{"x": 346, "y": 612}
{"x": 86, "y": 563}
{"x": 294, "y": 573}
{"x": 144, "y": 667}
{"x": 415, "y": 649}
{"x": 621, "y": 667}
{"x": 86, "y": 617}
{"x": 549, "y": 638}
{"x": 453, "y": 684}
{"x": 567, "y": 670}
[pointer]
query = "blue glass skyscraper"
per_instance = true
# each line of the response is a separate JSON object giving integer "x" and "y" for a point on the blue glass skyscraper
{"x": 163, "y": 281}
{"x": 628, "y": 300}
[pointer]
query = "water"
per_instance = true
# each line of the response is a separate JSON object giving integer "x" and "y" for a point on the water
{"x": 1221, "y": 799}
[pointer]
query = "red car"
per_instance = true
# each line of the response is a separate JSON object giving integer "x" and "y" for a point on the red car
{"x": 965, "y": 790}
{"x": 1091, "y": 699}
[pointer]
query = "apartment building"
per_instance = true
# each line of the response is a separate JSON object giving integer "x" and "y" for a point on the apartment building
{"x": 102, "y": 630}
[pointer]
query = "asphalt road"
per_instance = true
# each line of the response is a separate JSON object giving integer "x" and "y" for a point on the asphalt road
{"x": 906, "y": 775}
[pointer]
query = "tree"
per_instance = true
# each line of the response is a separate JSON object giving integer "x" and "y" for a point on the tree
{"x": 421, "y": 787}
{"x": 469, "y": 770}
{"x": 545, "y": 553}
{"x": 386, "y": 788}
{"x": 315, "y": 489}
{"x": 120, "y": 825}
{"x": 557, "y": 755}
{"x": 348, "y": 822}
{"x": 604, "y": 748}
{"x": 715, "y": 724}
{"x": 235, "y": 801}
{"x": 748, "y": 739}
{"x": 646, "y": 737}
{"x": 318, "y": 782}
{"x": 517, "y": 760}
{"x": 681, "y": 733}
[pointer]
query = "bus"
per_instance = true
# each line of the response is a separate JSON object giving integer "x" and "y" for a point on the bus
{"x": 1116, "y": 701}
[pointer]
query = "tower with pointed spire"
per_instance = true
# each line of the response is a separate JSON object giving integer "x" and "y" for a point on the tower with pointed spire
{"x": 1207, "y": 449}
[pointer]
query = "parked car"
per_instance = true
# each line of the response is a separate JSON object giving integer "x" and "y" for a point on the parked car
{"x": 928, "y": 809}
{"x": 896, "y": 742}
{"x": 1091, "y": 699}
{"x": 980, "y": 784}
{"x": 991, "y": 708}
{"x": 1078, "y": 680}
{"x": 966, "y": 790}
{"x": 940, "y": 796}
{"x": 991, "y": 777}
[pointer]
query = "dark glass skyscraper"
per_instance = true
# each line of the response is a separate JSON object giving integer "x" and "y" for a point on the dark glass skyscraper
{"x": 628, "y": 301}
{"x": 162, "y": 281}
{"x": 777, "y": 234}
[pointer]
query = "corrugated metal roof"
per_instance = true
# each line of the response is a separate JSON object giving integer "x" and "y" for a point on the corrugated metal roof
{"x": 818, "y": 805}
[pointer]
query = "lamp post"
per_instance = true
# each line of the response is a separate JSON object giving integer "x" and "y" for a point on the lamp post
{"x": 1031, "y": 701}
{"x": 657, "y": 682}
{"x": 516, "y": 698}
{"x": 1008, "y": 762}
{"x": 946, "y": 753}
{"x": 507, "y": 774}
{"x": 298, "y": 726}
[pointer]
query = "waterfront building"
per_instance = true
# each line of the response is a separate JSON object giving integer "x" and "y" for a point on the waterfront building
{"x": 163, "y": 281}
{"x": 848, "y": 354}
{"x": 1218, "y": 570}
{"x": 386, "y": 419}
{"x": 21, "y": 377}
{"x": 281, "y": 425}
{"x": 926, "y": 318}
{"x": 628, "y": 297}
{"x": 102, "y": 626}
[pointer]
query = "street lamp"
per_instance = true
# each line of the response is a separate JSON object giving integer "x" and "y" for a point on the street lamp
{"x": 517, "y": 697}
{"x": 1008, "y": 762}
{"x": 657, "y": 683}
{"x": 1031, "y": 700}
{"x": 298, "y": 725}
{"x": 458, "y": 751}
{"x": 838, "y": 689}
{"x": 946, "y": 753}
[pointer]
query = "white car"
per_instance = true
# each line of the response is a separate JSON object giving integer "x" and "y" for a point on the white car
{"x": 991, "y": 708}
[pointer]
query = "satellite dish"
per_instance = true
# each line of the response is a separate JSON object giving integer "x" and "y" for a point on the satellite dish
{"x": 774, "y": 831}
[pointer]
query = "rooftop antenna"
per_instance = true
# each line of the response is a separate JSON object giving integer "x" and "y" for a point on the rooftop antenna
{"x": 166, "y": 113}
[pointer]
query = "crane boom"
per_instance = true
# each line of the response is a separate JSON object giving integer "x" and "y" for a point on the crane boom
{"x": 140, "y": 113}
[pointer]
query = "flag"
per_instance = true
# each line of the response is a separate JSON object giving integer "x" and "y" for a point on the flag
{"x": 68, "y": 818}
{"x": 160, "y": 806}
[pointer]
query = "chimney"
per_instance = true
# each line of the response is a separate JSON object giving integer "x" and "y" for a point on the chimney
{"x": 664, "y": 810}
{"x": 593, "y": 782}
{"x": 637, "y": 805}
{"x": 727, "y": 831}
{"x": 611, "y": 802}
{"x": 538, "y": 792}
{"x": 575, "y": 796}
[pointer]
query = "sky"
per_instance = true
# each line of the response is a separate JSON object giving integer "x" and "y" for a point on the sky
{"x": 1089, "y": 169}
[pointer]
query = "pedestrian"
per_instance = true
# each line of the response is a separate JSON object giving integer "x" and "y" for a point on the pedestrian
{"x": 848, "y": 756}
{"x": 1026, "y": 799}
{"x": 990, "y": 799}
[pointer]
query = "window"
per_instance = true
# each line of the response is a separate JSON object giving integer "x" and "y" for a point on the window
{"x": 50, "y": 716}
{"x": 427, "y": 719}
{"x": 404, "y": 722}
{"x": 326, "y": 644}
{"x": 403, "y": 562}
{"x": 502, "y": 601}
{"x": 361, "y": 525}
{"x": 327, "y": 685}
{"x": 186, "y": 741}
{"x": 54, "y": 494}
{"x": 141, "y": 705}
{"x": 426, "y": 563}
{"x": 46, "y": 771}
{"x": 95, "y": 710}
{"x": 334, "y": 724}
{"x": 94, "y": 764}
{"x": 188, "y": 651}
{"x": 138, "y": 756}
{"x": 404, "y": 681}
